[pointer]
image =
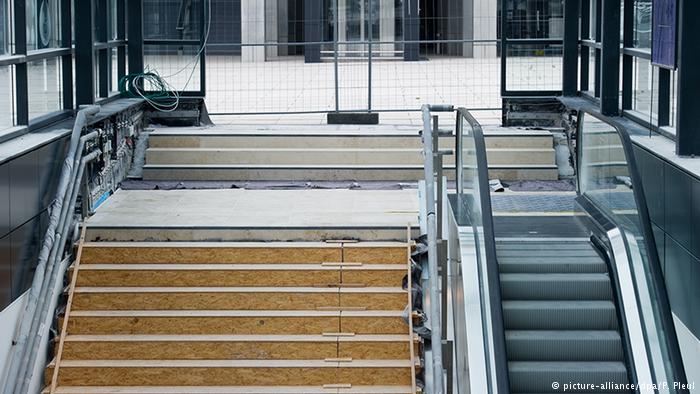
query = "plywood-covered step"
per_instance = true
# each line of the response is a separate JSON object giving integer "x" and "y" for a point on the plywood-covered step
{"x": 346, "y": 389}
{"x": 235, "y": 322}
{"x": 231, "y": 347}
{"x": 233, "y": 372}
{"x": 238, "y": 298}
{"x": 241, "y": 275}
{"x": 242, "y": 252}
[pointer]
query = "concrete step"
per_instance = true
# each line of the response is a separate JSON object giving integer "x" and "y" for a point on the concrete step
{"x": 330, "y": 156}
{"x": 234, "y": 347}
{"x": 302, "y": 139}
{"x": 538, "y": 377}
{"x": 559, "y": 315}
{"x": 239, "y": 298}
{"x": 357, "y": 389}
{"x": 404, "y": 173}
{"x": 542, "y": 345}
{"x": 243, "y": 252}
{"x": 241, "y": 275}
{"x": 539, "y": 286}
{"x": 235, "y": 322}
{"x": 232, "y": 372}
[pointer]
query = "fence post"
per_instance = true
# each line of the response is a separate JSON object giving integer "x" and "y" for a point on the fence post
{"x": 369, "y": 63}
{"x": 336, "y": 31}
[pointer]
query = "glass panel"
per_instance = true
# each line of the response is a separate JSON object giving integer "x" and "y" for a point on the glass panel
{"x": 7, "y": 88}
{"x": 535, "y": 19}
{"x": 112, "y": 19}
{"x": 169, "y": 19}
{"x": 642, "y": 23}
{"x": 44, "y": 84}
{"x": 177, "y": 65}
{"x": 645, "y": 89}
{"x": 606, "y": 180}
{"x": 43, "y": 24}
{"x": 534, "y": 67}
{"x": 4, "y": 26}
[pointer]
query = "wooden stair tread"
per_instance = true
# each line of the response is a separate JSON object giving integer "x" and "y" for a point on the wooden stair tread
{"x": 232, "y": 313}
{"x": 242, "y": 338}
{"x": 233, "y": 364}
{"x": 360, "y": 290}
{"x": 270, "y": 245}
{"x": 231, "y": 390}
{"x": 239, "y": 267}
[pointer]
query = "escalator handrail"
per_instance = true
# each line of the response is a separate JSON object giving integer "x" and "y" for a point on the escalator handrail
{"x": 495, "y": 302}
{"x": 657, "y": 276}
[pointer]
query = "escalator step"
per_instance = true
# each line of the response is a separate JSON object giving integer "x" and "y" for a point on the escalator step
{"x": 544, "y": 345}
{"x": 555, "y": 287}
{"x": 559, "y": 315}
{"x": 540, "y": 377}
{"x": 516, "y": 264}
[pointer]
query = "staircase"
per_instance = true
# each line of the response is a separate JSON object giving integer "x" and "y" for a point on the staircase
{"x": 238, "y": 317}
{"x": 322, "y": 153}
{"x": 559, "y": 315}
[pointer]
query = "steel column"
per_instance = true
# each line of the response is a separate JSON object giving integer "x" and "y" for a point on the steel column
{"x": 135, "y": 31}
{"x": 84, "y": 54}
{"x": 313, "y": 32}
{"x": 627, "y": 61}
{"x": 585, "y": 51}
{"x": 570, "y": 69}
{"x": 21, "y": 86}
{"x": 121, "y": 35}
{"x": 67, "y": 60}
{"x": 610, "y": 62}
{"x": 103, "y": 55}
{"x": 411, "y": 30}
{"x": 688, "y": 116}
{"x": 664, "y": 115}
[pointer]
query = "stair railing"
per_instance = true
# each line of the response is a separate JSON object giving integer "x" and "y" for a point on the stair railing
{"x": 611, "y": 191}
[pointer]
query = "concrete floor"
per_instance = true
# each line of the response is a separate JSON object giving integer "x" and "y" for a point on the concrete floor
{"x": 239, "y": 214}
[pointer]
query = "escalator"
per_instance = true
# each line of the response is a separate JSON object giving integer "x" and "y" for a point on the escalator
{"x": 573, "y": 303}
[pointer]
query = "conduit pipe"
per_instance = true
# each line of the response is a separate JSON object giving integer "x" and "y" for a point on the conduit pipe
{"x": 63, "y": 236}
{"x": 27, "y": 323}
{"x": 431, "y": 222}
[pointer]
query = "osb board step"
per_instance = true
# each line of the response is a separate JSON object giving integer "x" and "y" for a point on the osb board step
{"x": 241, "y": 252}
{"x": 240, "y": 298}
{"x": 214, "y": 347}
{"x": 232, "y": 390}
{"x": 236, "y": 322}
{"x": 232, "y": 372}
{"x": 240, "y": 275}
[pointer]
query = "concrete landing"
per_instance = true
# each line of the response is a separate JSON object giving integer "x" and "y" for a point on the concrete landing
{"x": 261, "y": 215}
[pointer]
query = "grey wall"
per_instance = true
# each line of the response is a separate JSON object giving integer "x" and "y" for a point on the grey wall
{"x": 673, "y": 197}
{"x": 27, "y": 186}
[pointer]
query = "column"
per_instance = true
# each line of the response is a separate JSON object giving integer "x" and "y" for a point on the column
{"x": 411, "y": 30}
{"x": 313, "y": 32}
{"x": 387, "y": 23}
{"x": 252, "y": 30}
{"x": 484, "y": 15}
{"x": 687, "y": 132}
{"x": 271, "y": 27}
{"x": 610, "y": 62}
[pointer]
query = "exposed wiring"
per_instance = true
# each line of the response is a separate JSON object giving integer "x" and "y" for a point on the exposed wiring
{"x": 154, "y": 88}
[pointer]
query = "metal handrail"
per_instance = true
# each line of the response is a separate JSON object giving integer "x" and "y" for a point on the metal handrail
{"x": 429, "y": 152}
{"x": 499, "y": 370}
{"x": 500, "y": 360}
{"x": 654, "y": 266}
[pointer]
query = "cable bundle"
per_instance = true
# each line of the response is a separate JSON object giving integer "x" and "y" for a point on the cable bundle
{"x": 151, "y": 87}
